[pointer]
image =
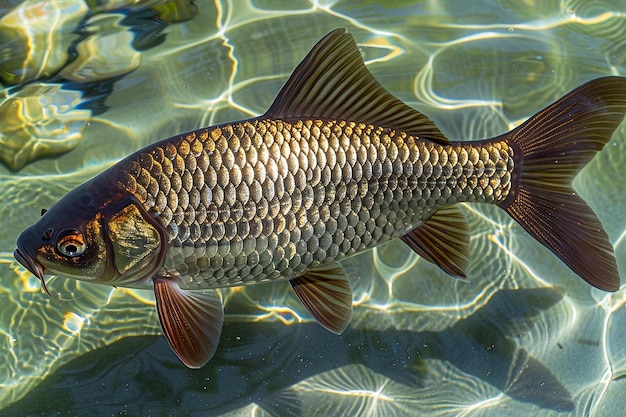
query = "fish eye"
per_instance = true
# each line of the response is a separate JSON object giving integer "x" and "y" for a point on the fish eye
{"x": 71, "y": 243}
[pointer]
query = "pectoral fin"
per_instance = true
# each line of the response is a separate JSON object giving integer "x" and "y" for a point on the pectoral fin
{"x": 191, "y": 320}
{"x": 443, "y": 240}
{"x": 326, "y": 294}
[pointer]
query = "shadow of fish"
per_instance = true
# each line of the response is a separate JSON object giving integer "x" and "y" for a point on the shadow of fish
{"x": 149, "y": 380}
{"x": 336, "y": 166}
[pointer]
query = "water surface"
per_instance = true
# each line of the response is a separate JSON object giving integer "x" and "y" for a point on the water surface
{"x": 87, "y": 83}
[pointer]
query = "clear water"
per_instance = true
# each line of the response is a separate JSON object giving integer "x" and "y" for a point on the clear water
{"x": 86, "y": 85}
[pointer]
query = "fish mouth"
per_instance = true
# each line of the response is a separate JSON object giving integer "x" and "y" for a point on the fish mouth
{"x": 34, "y": 267}
{"x": 30, "y": 263}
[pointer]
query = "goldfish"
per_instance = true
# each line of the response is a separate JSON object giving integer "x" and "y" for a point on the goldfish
{"x": 336, "y": 166}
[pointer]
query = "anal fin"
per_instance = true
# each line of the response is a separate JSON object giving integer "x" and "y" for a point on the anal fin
{"x": 443, "y": 239}
{"x": 191, "y": 320}
{"x": 326, "y": 294}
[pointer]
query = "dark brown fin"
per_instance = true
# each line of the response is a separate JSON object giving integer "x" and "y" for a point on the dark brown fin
{"x": 444, "y": 240}
{"x": 191, "y": 320}
{"x": 326, "y": 294}
{"x": 332, "y": 82}
{"x": 555, "y": 145}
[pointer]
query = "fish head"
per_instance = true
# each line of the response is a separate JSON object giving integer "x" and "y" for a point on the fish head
{"x": 96, "y": 236}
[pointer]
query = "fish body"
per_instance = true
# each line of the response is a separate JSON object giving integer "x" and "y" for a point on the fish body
{"x": 267, "y": 199}
{"x": 335, "y": 167}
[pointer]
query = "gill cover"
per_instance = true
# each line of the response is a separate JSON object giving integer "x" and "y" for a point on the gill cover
{"x": 94, "y": 235}
{"x": 135, "y": 242}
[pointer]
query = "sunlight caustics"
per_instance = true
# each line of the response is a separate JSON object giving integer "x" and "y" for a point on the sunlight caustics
{"x": 420, "y": 342}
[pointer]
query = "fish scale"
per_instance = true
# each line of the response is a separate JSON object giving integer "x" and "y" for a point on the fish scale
{"x": 268, "y": 199}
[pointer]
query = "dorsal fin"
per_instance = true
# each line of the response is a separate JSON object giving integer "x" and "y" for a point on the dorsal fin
{"x": 332, "y": 82}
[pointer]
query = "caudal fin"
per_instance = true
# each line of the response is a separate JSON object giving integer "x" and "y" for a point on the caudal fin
{"x": 555, "y": 145}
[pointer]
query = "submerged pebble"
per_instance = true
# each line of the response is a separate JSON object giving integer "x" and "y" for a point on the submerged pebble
{"x": 41, "y": 120}
{"x": 108, "y": 54}
{"x": 36, "y": 37}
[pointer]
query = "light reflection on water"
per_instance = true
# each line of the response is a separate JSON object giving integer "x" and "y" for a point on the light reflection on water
{"x": 524, "y": 336}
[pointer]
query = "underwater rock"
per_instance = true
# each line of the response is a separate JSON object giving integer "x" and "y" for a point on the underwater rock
{"x": 107, "y": 54}
{"x": 169, "y": 11}
{"x": 35, "y": 37}
{"x": 176, "y": 11}
{"x": 40, "y": 121}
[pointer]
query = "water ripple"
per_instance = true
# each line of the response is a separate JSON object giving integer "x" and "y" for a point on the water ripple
{"x": 524, "y": 336}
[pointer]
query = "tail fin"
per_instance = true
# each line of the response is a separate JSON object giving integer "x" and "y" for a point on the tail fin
{"x": 555, "y": 145}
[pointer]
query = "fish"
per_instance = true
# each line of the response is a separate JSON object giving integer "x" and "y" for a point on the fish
{"x": 336, "y": 166}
